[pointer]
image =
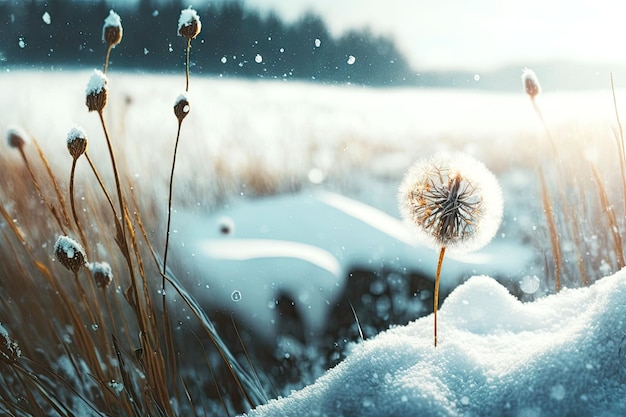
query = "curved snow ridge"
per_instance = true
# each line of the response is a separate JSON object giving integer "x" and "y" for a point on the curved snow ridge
{"x": 562, "y": 355}
{"x": 247, "y": 249}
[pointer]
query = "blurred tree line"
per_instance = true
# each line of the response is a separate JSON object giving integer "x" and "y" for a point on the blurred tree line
{"x": 234, "y": 41}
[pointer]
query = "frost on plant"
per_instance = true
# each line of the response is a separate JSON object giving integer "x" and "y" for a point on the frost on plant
{"x": 70, "y": 253}
{"x": 452, "y": 201}
{"x": 531, "y": 83}
{"x": 16, "y": 137}
{"x": 102, "y": 273}
{"x": 96, "y": 91}
{"x": 9, "y": 349}
{"x": 76, "y": 142}
{"x": 112, "y": 29}
{"x": 181, "y": 107}
{"x": 189, "y": 24}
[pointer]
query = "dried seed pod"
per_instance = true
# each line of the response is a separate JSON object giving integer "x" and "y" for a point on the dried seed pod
{"x": 189, "y": 25}
{"x": 531, "y": 83}
{"x": 17, "y": 138}
{"x": 181, "y": 107}
{"x": 102, "y": 273}
{"x": 76, "y": 142}
{"x": 10, "y": 351}
{"x": 112, "y": 30}
{"x": 70, "y": 253}
{"x": 97, "y": 91}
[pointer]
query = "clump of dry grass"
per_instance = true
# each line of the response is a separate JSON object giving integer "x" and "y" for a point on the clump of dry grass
{"x": 96, "y": 344}
{"x": 583, "y": 226}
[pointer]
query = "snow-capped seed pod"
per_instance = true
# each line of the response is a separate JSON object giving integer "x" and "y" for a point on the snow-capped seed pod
{"x": 70, "y": 253}
{"x": 102, "y": 273}
{"x": 112, "y": 29}
{"x": 10, "y": 351}
{"x": 181, "y": 107}
{"x": 17, "y": 138}
{"x": 97, "y": 91}
{"x": 452, "y": 201}
{"x": 76, "y": 142}
{"x": 531, "y": 83}
{"x": 189, "y": 25}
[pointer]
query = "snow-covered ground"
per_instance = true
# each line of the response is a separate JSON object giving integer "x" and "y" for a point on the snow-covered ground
{"x": 563, "y": 355}
{"x": 286, "y": 187}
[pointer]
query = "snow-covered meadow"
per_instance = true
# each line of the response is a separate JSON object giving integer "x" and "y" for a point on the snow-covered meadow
{"x": 285, "y": 189}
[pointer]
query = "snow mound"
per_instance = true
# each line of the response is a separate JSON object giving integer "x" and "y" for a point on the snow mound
{"x": 562, "y": 355}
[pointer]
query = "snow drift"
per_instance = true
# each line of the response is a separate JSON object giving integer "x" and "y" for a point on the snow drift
{"x": 563, "y": 355}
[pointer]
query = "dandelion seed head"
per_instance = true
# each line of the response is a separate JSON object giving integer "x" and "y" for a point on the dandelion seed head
{"x": 452, "y": 201}
{"x": 531, "y": 83}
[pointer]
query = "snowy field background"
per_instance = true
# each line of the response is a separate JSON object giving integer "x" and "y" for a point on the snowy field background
{"x": 304, "y": 177}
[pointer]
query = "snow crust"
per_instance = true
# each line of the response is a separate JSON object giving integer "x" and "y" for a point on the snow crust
{"x": 562, "y": 355}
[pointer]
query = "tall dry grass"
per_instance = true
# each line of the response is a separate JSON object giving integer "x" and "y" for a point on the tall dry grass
{"x": 93, "y": 331}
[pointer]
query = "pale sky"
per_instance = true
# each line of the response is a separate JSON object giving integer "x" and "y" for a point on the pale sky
{"x": 478, "y": 34}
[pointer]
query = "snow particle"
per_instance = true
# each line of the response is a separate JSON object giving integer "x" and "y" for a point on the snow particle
{"x": 46, "y": 18}
{"x": 318, "y": 43}
{"x": 529, "y": 284}
{"x": 316, "y": 176}
{"x": 351, "y": 59}
{"x": 557, "y": 392}
{"x": 258, "y": 59}
{"x": 476, "y": 77}
{"x": 236, "y": 296}
{"x": 465, "y": 400}
{"x": 224, "y": 60}
{"x": 21, "y": 42}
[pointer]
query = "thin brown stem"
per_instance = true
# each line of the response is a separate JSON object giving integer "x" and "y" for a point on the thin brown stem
{"x": 40, "y": 192}
{"x": 106, "y": 59}
{"x": 55, "y": 183}
{"x": 442, "y": 252}
{"x": 116, "y": 175}
{"x": 554, "y": 234}
{"x": 102, "y": 186}
{"x": 73, "y": 205}
{"x": 187, "y": 65}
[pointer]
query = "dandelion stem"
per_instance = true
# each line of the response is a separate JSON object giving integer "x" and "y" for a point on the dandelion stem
{"x": 442, "y": 252}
